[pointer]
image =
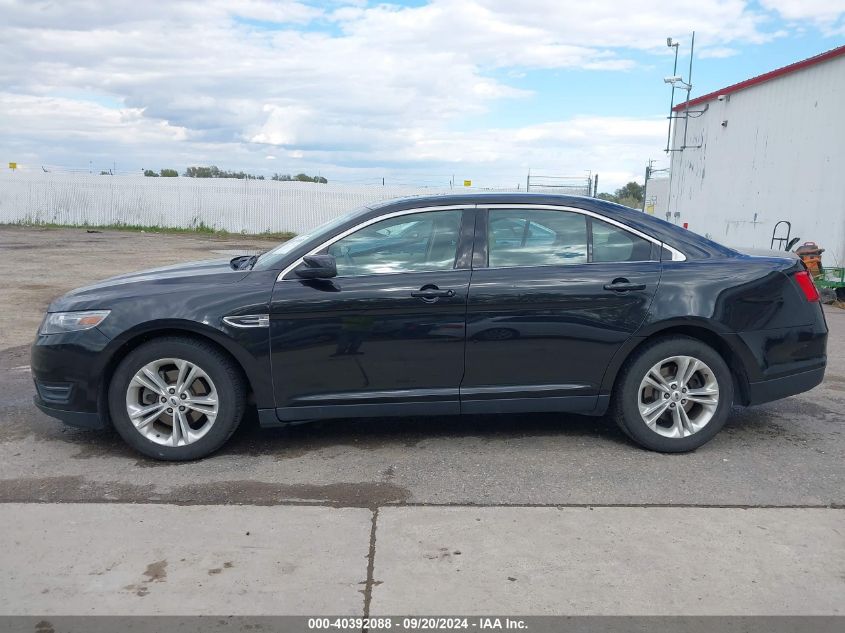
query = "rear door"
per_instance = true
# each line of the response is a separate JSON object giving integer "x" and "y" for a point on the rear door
{"x": 555, "y": 292}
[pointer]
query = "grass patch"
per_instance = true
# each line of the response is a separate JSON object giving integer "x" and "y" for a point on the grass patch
{"x": 199, "y": 229}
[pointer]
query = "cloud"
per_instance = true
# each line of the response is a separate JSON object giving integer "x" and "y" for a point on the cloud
{"x": 827, "y": 15}
{"x": 718, "y": 52}
{"x": 50, "y": 118}
{"x": 489, "y": 156}
{"x": 342, "y": 86}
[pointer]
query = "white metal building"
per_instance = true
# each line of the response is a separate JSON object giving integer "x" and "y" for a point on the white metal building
{"x": 766, "y": 149}
{"x": 657, "y": 196}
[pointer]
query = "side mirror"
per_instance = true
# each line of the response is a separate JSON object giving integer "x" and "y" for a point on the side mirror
{"x": 317, "y": 267}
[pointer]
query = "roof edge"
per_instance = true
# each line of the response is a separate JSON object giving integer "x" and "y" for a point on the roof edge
{"x": 772, "y": 74}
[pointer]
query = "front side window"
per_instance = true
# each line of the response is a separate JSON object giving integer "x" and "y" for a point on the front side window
{"x": 525, "y": 237}
{"x": 272, "y": 257}
{"x": 417, "y": 242}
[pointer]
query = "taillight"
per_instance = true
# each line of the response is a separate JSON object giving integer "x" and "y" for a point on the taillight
{"x": 805, "y": 282}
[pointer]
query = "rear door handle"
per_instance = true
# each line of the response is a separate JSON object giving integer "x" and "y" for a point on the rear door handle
{"x": 623, "y": 285}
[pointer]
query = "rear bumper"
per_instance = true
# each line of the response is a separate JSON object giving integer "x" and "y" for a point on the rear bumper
{"x": 782, "y": 362}
{"x": 777, "y": 388}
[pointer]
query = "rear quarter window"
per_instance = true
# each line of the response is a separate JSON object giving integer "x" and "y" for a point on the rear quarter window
{"x": 613, "y": 244}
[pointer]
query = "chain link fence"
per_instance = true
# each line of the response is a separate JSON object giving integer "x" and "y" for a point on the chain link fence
{"x": 564, "y": 185}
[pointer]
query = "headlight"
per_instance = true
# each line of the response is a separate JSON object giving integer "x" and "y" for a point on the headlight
{"x": 57, "y": 322}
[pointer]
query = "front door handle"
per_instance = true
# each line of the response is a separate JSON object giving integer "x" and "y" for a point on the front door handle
{"x": 623, "y": 285}
{"x": 431, "y": 293}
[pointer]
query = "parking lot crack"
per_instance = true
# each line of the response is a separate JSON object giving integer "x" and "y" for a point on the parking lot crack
{"x": 371, "y": 559}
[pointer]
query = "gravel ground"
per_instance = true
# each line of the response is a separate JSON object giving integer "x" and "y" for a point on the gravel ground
{"x": 785, "y": 453}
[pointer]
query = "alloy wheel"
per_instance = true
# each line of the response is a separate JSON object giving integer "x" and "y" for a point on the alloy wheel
{"x": 172, "y": 402}
{"x": 678, "y": 396}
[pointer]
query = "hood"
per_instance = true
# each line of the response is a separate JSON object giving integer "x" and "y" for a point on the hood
{"x": 153, "y": 281}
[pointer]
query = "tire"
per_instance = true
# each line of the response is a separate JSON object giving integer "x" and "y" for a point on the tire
{"x": 208, "y": 415}
{"x": 679, "y": 422}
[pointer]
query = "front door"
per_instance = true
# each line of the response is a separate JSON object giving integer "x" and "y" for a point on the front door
{"x": 554, "y": 295}
{"x": 384, "y": 337}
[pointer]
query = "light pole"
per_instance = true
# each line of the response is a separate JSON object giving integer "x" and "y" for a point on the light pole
{"x": 676, "y": 80}
{"x": 672, "y": 44}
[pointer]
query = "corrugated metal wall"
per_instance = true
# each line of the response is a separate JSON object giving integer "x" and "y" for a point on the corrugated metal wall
{"x": 249, "y": 206}
{"x": 779, "y": 156}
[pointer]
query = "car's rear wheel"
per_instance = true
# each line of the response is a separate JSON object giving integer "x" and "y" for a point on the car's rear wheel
{"x": 176, "y": 398}
{"x": 673, "y": 395}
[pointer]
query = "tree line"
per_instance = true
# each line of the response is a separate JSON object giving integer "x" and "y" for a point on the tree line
{"x": 167, "y": 173}
{"x": 213, "y": 171}
{"x": 631, "y": 195}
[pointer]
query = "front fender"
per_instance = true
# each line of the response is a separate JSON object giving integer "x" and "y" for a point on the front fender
{"x": 250, "y": 347}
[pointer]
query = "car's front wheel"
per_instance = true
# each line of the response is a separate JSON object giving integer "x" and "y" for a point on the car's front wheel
{"x": 673, "y": 395}
{"x": 176, "y": 398}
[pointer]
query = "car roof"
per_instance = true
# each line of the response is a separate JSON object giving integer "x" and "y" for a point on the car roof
{"x": 512, "y": 197}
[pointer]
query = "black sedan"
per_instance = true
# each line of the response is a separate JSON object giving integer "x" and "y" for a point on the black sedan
{"x": 492, "y": 303}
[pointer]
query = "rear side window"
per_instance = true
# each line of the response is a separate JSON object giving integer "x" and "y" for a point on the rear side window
{"x": 612, "y": 244}
{"x": 545, "y": 237}
{"x": 525, "y": 237}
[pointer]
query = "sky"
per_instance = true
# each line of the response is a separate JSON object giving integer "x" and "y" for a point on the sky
{"x": 414, "y": 92}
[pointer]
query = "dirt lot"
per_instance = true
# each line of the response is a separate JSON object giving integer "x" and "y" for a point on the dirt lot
{"x": 529, "y": 514}
{"x": 57, "y": 260}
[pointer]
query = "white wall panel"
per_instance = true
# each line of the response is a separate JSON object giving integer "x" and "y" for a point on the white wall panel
{"x": 781, "y": 156}
{"x": 249, "y": 206}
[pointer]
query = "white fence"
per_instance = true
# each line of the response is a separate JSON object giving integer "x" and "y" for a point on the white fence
{"x": 239, "y": 206}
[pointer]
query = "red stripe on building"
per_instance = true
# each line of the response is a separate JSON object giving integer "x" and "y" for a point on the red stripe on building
{"x": 773, "y": 74}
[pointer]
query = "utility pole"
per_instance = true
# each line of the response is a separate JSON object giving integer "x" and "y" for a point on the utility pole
{"x": 672, "y": 44}
{"x": 685, "y": 85}
{"x": 645, "y": 184}
{"x": 689, "y": 89}
{"x": 675, "y": 80}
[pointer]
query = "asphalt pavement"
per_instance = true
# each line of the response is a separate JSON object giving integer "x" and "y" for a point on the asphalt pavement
{"x": 514, "y": 514}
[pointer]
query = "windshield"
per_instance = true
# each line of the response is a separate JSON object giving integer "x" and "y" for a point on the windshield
{"x": 268, "y": 259}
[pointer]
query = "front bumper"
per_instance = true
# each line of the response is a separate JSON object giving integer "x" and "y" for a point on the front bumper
{"x": 72, "y": 418}
{"x": 68, "y": 369}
